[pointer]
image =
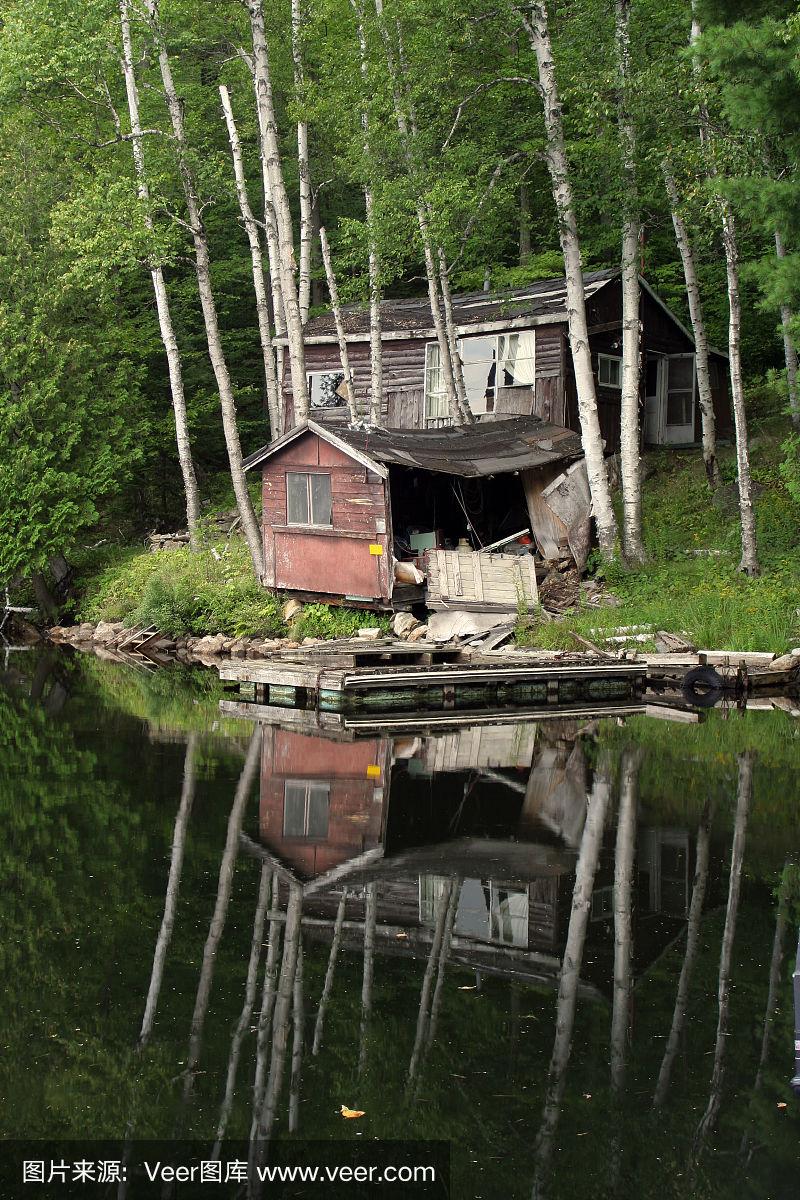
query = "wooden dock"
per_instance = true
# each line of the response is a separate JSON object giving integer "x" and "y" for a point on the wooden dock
{"x": 446, "y": 686}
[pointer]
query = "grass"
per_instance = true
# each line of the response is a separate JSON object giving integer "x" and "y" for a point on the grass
{"x": 703, "y": 596}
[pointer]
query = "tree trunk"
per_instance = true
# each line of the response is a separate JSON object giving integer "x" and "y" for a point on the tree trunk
{"x": 789, "y": 348}
{"x": 305, "y": 196}
{"x": 465, "y": 412}
{"x": 268, "y": 993}
{"x": 333, "y": 291}
{"x": 275, "y": 187}
{"x": 536, "y": 25}
{"x": 328, "y": 985}
{"x": 298, "y": 1020}
{"x": 632, "y": 545}
{"x": 173, "y": 886}
{"x": 744, "y": 797}
{"x": 374, "y": 265}
{"x": 45, "y": 600}
{"x": 427, "y": 981}
{"x": 431, "y": 271}
{"x": 692, "y": 941}
{"x": 165, "y": 325}
{"x": 524, "y": 224}
{"x": 250, "y": 526}
{"x": 708, "y": 420}
{"x": 257, "y": 260}
{"x": 749, "y": 561}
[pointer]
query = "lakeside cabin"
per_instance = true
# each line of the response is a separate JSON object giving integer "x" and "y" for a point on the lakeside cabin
{"x": 517, "y": 362}
{"x": 368, "y": 515}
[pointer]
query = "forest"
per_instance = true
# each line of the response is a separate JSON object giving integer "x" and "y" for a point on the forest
{"x": 182, "y": 182}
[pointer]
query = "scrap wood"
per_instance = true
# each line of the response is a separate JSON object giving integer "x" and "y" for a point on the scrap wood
{"x": 589, "y": 645}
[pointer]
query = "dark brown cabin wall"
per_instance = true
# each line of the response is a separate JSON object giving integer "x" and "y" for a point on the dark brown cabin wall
{"x": 403, "y": 370}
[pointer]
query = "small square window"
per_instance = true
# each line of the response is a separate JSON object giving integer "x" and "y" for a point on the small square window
{"x": 306, "y": 807}
{"x": 308, "y": 498}
{"x": 609, "y": 371}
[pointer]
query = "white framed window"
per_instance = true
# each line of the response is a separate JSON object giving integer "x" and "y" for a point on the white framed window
{"x": 489, "y": 363}
{"x": 609, "y": 371}
{"x": 308, "y": 498}
{"x": 306, "y": 808}
{"x": 326, "y": 389}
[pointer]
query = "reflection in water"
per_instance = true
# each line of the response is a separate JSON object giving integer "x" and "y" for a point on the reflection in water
{"x": 449, "y": 928}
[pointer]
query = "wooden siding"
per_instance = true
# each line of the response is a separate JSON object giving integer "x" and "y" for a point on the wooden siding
{"x": 338, "y": 559}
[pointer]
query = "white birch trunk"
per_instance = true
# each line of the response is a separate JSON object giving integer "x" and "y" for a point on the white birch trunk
{"x": 173, "y": 884}
{"x": 569, "y": 979}
{"x": 536, "y": 23}
{"x": 789, "y": 348}
{"x": 341, "y": 336}
{"x": 165, "y": 325}
{"x": 427, "y": 981}
{"x": 744, "y": 795}
{"x": 374, "y": 263}
{"x": 749, "y": 560}
{"x": 632, "y": 545}
{"x": 431, "y": 270}
{"x": 306, "y": 199}
{"x": 275, "y": 188}
{"x": 465, "y": 412}
{"x": 250, "y": 526}
{"x": 708, "y": 421}
{"x": 690, "y": 954}
{"x": 257, "y": 260}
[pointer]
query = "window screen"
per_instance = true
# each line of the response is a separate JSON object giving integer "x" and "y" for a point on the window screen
{"x": 308, "y": 498}
{"x": 306, "y": 805}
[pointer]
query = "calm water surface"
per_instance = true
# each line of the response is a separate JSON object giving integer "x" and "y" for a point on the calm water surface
{"x": 565, "y": 947}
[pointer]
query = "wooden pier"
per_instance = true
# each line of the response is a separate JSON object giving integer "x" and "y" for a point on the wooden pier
{"x": 445, "y": 686}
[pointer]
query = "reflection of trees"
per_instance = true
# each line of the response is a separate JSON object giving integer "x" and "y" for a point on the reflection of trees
{"x": 743, "y": 799}
{"x": 690, "y": 954}
{"x": 776, "y": 961}
{"x": 423, "y": 1015}
{"x": 370, "y": 921}
{"x": 173, "y": 886}
{"x": 297, "y": 1044}
{"x": 624, "y": 859}
{"x": 219, "y": 916}
{"x": 329, "y": 973}
{"x": 588, "y": 855}
{"x": 243, "y": 1023}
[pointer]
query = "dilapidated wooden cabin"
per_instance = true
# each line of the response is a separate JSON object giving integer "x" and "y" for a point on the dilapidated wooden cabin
{"x": 341, "y": 507}
{"x": 517, "y": 362}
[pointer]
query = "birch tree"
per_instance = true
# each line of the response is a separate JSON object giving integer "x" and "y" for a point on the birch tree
{"x": 708, "y": 421}
{"x": 341, "y": 336}
{"x": 632, "y": 544}
{"x": 165, "y": 325}
{"x": 257, "y": 261}
{"x": 535, "y": 22}
{"x": 730, "y": 242}
{"x": 275, "y": 190}
{"x": 303, "y": 165}
{"x": 202, "y": 259}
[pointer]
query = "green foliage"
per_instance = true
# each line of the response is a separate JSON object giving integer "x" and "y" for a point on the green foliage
{"x": 212, "y": 591}
{"x": 330, "y": 621}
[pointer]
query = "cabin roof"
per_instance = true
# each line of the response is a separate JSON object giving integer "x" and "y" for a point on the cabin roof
{"x": 537, "y": 303}
{"x": 484, "y": 448}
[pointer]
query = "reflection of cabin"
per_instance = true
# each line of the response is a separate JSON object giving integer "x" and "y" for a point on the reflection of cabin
{"x": 499, "y": 808}
{"x": 338, "y": 507}
{"x": 516, "y": 360}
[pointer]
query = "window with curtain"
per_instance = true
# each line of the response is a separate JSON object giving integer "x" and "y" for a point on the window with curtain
{"x": 491, "y": 362}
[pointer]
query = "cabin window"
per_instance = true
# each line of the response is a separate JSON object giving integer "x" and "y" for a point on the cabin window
{"x": 306, "y": 806}
{"x": 326, "y": 389}
{"x": 609, "y": 371}
{"x": 308, "y": 498}
{"x": 489, "y": 363}
{"x": 680, "y": 390}
{"x": 509, "y": 915}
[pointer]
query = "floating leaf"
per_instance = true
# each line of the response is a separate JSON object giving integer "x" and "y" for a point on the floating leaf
{"x": 350, "y": 1112}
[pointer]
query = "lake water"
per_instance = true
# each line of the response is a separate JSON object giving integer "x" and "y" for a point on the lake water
{"x": 564, "y": 947}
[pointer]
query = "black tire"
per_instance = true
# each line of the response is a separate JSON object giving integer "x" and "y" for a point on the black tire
{"x": 702, "y": 687}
